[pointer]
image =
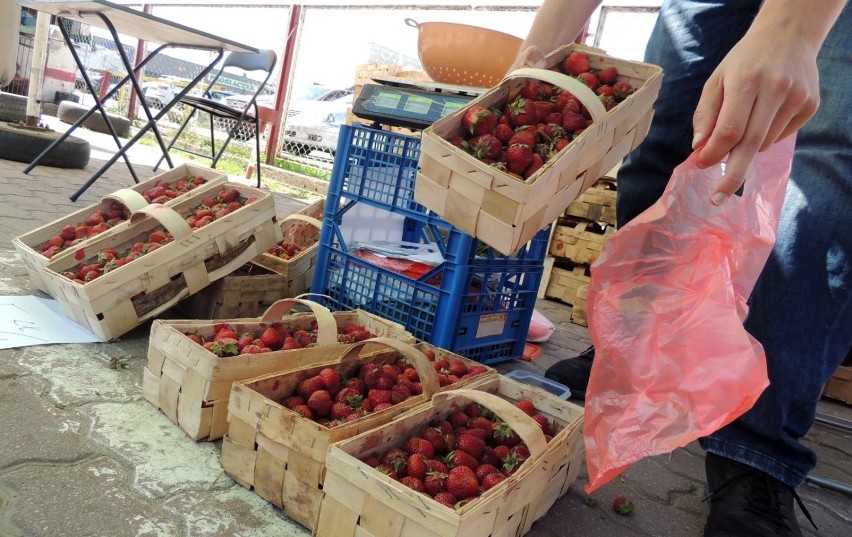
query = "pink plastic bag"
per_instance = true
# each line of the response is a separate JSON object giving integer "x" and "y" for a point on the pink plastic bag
{"x": 666, "y": 303}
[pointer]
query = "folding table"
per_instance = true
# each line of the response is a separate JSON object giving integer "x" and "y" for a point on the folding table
{"x": 120, "y": 19}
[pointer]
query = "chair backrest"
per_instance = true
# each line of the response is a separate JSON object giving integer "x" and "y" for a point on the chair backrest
{"x": 263, "y": 60}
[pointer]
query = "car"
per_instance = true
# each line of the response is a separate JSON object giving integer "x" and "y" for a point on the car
{"x": 158, "y": 94}
{"x": 314, "y": 124}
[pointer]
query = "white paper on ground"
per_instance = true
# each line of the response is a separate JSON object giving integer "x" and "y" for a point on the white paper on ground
{"x": 30, "y": 320}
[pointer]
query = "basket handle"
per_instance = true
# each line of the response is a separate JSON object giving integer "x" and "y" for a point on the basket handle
{"x": 304, "y": 218}
{"x": 579, "y": 90}
{"x": 326, "y": 324}
{"x": 529, "y": 431}
{"x": 171, "y": 220}
{"x": 411, "y": 22}
{"x": 129, "y": 198}
{"x": 424, "y": 368}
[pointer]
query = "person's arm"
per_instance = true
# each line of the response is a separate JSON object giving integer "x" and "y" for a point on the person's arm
{"x": 557, "y": 23}
{"x": 765, "y": 89}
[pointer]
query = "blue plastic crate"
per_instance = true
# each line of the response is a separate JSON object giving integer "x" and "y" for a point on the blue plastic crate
{"x": 477, "y": 303}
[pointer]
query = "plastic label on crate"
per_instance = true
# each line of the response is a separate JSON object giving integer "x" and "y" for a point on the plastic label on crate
{"x": 491, "y": 324}
{"x": 407, "y": 258}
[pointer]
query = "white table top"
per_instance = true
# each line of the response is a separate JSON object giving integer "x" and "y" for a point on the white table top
{"x": 129, "y": 21}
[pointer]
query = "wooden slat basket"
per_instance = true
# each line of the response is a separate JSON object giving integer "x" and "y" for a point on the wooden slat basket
{"x": 191, "y": 385}
{"x": 506, "y": 212}
{"x": 123, "y": 298}
{"x": 361, "y": 501}
{"x": 29, "y": 245}
{"x": 281, "y": 455}
{"x": 578, "y": 241}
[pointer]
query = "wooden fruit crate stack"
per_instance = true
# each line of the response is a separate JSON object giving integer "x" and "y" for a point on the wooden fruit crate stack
{"x": 576, "y": 242}
{"x": 839, "y": 387}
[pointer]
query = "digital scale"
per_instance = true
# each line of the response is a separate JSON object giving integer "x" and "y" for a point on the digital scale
{"x": 414, "y": 104}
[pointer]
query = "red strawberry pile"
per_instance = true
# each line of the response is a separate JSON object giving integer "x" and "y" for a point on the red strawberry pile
{"x": 162, "y": 191}
{"x": 213, "y": 208}
{"x": 332, "y": 401}
{"x": 286, "y": 250}
{"x": 229, "y": 340}
{"x": 456, "y": 459}
{"x": 520, "y": 136}
{"x": 451, "y": 369}
{"x": 103, "y": 219}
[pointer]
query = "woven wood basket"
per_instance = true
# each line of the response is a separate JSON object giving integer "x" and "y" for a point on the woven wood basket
{"x": 281, "y": 455}
{"x": 506, "y": 212}
{"x": 29, "y": 245}
{"x": 121, "y": 299}
{"x": 361, "y": 501}
{"x": 191, "y": 385}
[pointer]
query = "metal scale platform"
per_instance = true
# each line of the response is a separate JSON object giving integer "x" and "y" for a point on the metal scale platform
{"x": 413, "y": 104}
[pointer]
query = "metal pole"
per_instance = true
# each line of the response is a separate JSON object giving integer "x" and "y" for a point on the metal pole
{"x": 140, "y": 52}
{"x": 39, "y": 61}
{"x": 287, "y": 61}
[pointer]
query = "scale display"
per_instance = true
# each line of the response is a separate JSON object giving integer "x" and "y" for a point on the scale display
{"x": 405, "y": 107}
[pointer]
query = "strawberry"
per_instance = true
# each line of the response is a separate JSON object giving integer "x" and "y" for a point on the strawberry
{"x": 309, "y": 386}
{"x": 356, "y": 384}
{"x": 531, "y": 90}
{"x": 470, "y": 444}
{"x": 399, "y": 393}
{"x": 622, "y": 506}
{"x": 195, "y": 337}
{"x": 503, "y": 434}
{"x": 417, "y": 466}
{"x": 621, "y": 90}
{"x": 462, "y": 483}
{"x": 446, "y": 498}
{"x": 157, "y": 237}
{"x": 483, "y": 470}
{"x": 458, "y": 419}
{"x": 254, "y": 349}
{"x": 478, "y": 120}
{"x": 437, "y": 466}
{"x": 589, "y": 79}
{"x": 304, "y": 410}
{"x": 535, "y": 165}
{"x": 371, "y": 460}
{"x": 572, "y": 121}
{"x": 229, "y": 194}
{"x": 430, "y": 355}
{"x": 395, "y": 459}
{"x": 388, "y": 471}
{"x": 608, "y": 75}
{"x": 543, "y": 422}
{"x": 504, "y": 133}
{"x": 522, "y": 112}
{"x": 378, "y": 407}
{"x": 485, "y": 146}
{"x": 461, "y": 458}
{"x": 604, "y": 91}
{"x": 68, "y": 233}
{"x": 226, "y": 347}
{"x": 566, "y": 99}
{"x": 523, "y": 136}
{"x": 413, "y": 483}
{"x": 420, "y": 446}
{"x": 340, "y": 411}
{"x": 435, "y": 483}
{"x": 320, "y": 402}
{"x": 293, "y": 401}
{"x": 225, "y": 333}
{"x": 576, "y": 63}
{"x": 473, "y": 411}
{"x": 331, "y": 378}
{"x": 492, "y": 480}
{"x": 349, "y": 396}
{"x": 489, "y": 456}
{"x": 271, "y": 338}
{"x": 526, "y": 406}
{"x": 245, "y": 340}
{"x": 380, "y": 396}
{"x": 544, "y": 108}
{"x": 518, "y": 158}
{"x": 437, "y": 439}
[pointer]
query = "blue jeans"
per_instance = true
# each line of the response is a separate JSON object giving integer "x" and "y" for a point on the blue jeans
{"x": 801, "y": 307}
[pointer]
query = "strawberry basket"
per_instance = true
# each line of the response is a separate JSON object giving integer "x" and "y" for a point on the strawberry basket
{"x": 131, "y": 274}
{"x": 362, "y": 500}
{"x": 280, "y": 452}
{"x": 506, "y": 210}
{"x": 82, "y": 226}
{"x": 269, "y": 277}
{"x": 191, "y": 384}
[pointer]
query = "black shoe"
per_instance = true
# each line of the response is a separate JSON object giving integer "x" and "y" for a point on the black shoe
{"x": 574, "y": 373}
{"x": 745, "y": 502}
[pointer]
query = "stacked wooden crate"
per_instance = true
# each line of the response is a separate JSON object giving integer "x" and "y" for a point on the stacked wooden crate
{"x": 575, "y": 243}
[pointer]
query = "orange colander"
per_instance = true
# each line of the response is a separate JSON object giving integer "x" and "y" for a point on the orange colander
{"x": 464, "y": 55}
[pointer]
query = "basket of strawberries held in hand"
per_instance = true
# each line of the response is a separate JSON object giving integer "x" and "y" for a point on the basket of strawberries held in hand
{"x": 281, "y": 425}
{"x": 489, "y": 459}
{"x": 509, "y": 163}
{"x": 193, "y": 363}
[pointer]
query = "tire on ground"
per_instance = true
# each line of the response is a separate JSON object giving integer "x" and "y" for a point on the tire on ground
{"x": 12, "y": 107}
{"x": 24, "y": 145}
{"x": 70, "y": 112}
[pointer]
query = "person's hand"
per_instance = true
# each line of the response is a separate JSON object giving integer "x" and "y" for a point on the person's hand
{"x": 765, "y": 89}
{"x": 530, "y": 56}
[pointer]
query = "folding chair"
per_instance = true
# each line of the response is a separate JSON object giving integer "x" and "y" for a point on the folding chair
{"x": 263, "y": 60}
